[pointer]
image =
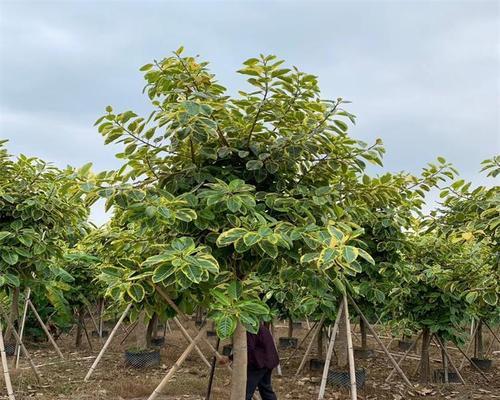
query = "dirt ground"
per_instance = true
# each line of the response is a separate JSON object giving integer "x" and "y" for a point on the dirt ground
{"x": 112, "y": 380}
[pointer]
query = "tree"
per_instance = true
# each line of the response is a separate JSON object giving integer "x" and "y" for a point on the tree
{"x": 41, "y": 207}
{"x": 229, "y": 189}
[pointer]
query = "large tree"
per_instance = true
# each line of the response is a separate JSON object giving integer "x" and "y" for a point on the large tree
{"x": 232, "y": 188}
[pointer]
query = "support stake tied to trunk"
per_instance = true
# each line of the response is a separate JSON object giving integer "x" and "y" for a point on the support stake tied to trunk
{"x": 46, "y": 330}
{"x": 5, "y": 366}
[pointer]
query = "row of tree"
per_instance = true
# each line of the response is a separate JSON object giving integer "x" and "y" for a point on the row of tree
{"x": 250, "y": 207}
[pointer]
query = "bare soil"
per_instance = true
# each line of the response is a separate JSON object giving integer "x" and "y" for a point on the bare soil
{"x": 112, "y": 380}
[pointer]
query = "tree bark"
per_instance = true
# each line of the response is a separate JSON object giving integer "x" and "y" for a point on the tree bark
{"x": 320, "y": 343}
{"x": 362, "y": 328}
{"x": 239, "y": 373}
{"x": 290, "y": 328}
{"x": 79, "y": 326}
{"x": 425, "y": 365}
{"x": 479, "y": 348}
{"x": 152, "y": 329}
{"x": 13, "y": 316}
{"x": 341, "y": 344}
{"x": 141, "y": 332}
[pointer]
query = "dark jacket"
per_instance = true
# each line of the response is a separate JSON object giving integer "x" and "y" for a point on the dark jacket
{"x": 262, "y": 351}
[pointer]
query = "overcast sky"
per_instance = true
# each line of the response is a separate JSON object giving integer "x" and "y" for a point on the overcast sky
{"x": 422, "y": 75}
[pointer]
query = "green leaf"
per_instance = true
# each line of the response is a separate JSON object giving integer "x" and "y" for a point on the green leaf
{"x": 193, "y": 272}
{"x": 470, "y": 297}
{"x": 269, "y": 248}
{"x": 185, "y": 214}
{"x": 207, "y": 262}
{"x": 233, "y": 204}
{"x": 490, "y": 298}
{"x": 162, "y": 272}
{"x": 136, "y": 292}
{"x": 230, "y": 236}
{"x": 4, "y": 234}
{"x": 350, "y": 253}
{"x": 225, "y": 326}
{"x": 251, "y": 238}
{"x": 113, "y": 271}
{"x": 366, "y": 256}
{"x": 10, "y": 257}
{"x": 254, "y": 307}
{"x": 309, "y": 257}
{"x": 254, "y": 165}
{"x": 12, "y": 279}
{"x": 235, "y": 290}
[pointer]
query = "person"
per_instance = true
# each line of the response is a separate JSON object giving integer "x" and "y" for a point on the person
{"x": 262, "y": 358}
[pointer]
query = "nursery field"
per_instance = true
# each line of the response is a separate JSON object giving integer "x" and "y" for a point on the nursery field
{"x": 113, "y": 380}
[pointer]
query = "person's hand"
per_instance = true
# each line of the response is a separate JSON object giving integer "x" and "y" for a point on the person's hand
{"x": 224, "y": 360}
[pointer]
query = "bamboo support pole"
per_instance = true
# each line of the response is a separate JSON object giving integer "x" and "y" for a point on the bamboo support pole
{"x": 178, "y": 364}
{"x": 5, "y": 365}
{"x": 190, "y": 340}
{"x": 329, "y": 352}
{"x": 381, "y": 344}
{"x": 319, "y": 326}
{"x": 20, "y": 344}
{"x": 491, "y": 330}
{"x": 350, "y": 352}
{"x": 129, "y": 331}
{"x": 471, "y": 341}
{"x": 473, "y": 364}
{"x": 403, "y": 357}
{"x": 45, "y": 329}
{"x": 108, "y": 342}
{"x": 440, "y": 344}
{"x": 186, "y": 318}
{"x": 300, "y": 344}
{"x": 21, "y": 331}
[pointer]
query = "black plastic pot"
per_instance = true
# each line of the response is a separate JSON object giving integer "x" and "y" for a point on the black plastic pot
{"x": 211, "y": 333}
{"x": 10, "y": 349}
{"x": 404, "y": 345}
{"x": 316, "y": 364}
{"x": 142, "y": 358}
{"x": 439, "y": 376}
{"x": 363, "y": 353}
{"x": 343, "y": 379}
{"x": 158, "y": 341}
{"x": 105, "y": 333}
{"x": 482, "y": 364}
{"x": 288, "y": 343}
{"x": 227, "y": 350}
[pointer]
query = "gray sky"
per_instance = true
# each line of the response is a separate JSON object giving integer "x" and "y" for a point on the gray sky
{"x": 423, "y": 75}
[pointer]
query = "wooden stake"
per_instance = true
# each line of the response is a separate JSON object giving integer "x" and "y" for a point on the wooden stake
{"x": 212, "y": 372}
{"x": 6, "y": 375}
{"x": 324, "y": 377}
{"x": 300, "y": 344}
{"x": 350, "y": 352}
{"x": 381, "y": 344}
{"x": 186, "y": 318}
{"x": 491, "y": 330}
{"x": 471, "y": 341}
{"x": 473, "y": 364}
{"x": 23, "y": 321}
{"x": 311, "y": 343}
{"x": 129, "y": 331}
{"x": 44, "y": 327}
{"x": 108, "y": 342}
{"x": 440, "y": 344}
{"x": 190, "y": 340}
{"x": 403, "y": 357}
{"x": 178, "y": 364}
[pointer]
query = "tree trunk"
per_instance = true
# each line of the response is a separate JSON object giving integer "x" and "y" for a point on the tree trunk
{"x": 320, "y": 343}
{"x": 341, "y": 344}
{"x": 13, "y": 316}
{"x": 79, "y": 326}
{"x": 290, "y": 328}
{"x": 362, "y": 328}
{"x": 479, "y": 347}
{"x": 425, "y": 365}
{"x": 152, "y": 329}
{"x": 239, "y": 373}
{"x": 141, "y": 332}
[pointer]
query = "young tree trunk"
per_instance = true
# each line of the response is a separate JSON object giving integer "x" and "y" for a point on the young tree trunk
{"x": 141, "y": 332}
{"x": 79, "y": 326}
{"x": 362, "y": 328}
{"x": 290, "y": 328}
{"x": 151, "y": 329}
{"x": 320, "y": 343}
{"x": 425, "y": 365}
{"x": 479, "y": 347}
{"x": 239, "y": 373}
{"x": 341, "y": 344}
{"x": 13, "y": 316}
